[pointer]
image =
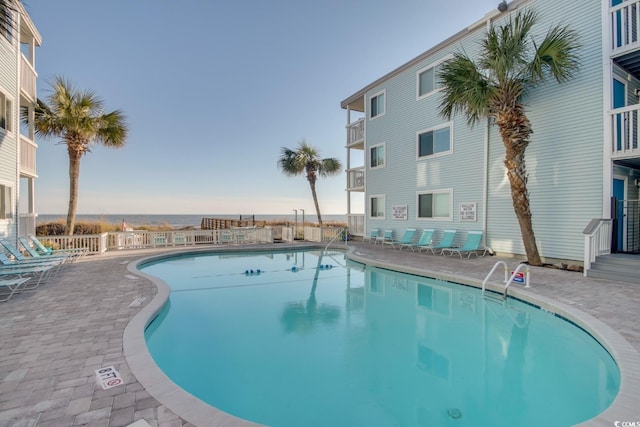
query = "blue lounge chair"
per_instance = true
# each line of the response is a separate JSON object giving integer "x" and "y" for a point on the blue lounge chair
{"x": 423, "y": 241}
{"x": 12, "y": 285}
{"x": 386, "y": 236}
{"x": 44, "y": 250}
{"x": 31, "y": 260}
{"x": 406, "y": 238}
{"x": 35, "y": 255}
{"x": 372, "y": 236}
{"x": 448, "y": 236}
{"x": 470, "y": 247}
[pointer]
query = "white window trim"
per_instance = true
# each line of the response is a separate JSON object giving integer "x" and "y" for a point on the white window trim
{"x": 382, "y": 92}
{"x": 433, "y": 129}
{"x": 384, "y": 160}
{"x": 438, "y": 191}
{"x": 12, "y": 113}
{"x": 384, "y": 203}
{"x": 12, "y": 213}
{"x": 422, "y": 70}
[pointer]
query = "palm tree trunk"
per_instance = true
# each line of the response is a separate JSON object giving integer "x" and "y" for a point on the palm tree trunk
{"x": 312, "y": 183}
{"x": 74, "y": 173}
{"x": 515, "y": 130}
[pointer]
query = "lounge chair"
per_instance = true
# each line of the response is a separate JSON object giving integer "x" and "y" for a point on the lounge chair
{"x": 44, "y": 250}
{"x": 12, "y": 285}
{"x": 406, "y": 238}
{"x": 387, "y": 235}
{"x": 372, "y": 236}
{"x": 423, "y": 241}
{"x": 470, "y": 247}
{"x": 53, "y": 260}
{"x": 35, "y": 255}
{"x": 448, "y": 236}
{"x": 14, "y": 270}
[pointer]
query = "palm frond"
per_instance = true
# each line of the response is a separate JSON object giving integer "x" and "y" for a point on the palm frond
{"x": 556, "y": 55}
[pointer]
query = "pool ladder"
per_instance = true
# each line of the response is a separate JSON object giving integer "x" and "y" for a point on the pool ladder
{"x": 508, "y": 280}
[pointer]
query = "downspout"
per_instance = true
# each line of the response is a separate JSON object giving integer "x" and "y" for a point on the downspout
{"x": 485, "y": 185}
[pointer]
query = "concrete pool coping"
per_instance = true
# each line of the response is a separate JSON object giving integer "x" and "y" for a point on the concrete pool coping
{"x": 199, "y": 413}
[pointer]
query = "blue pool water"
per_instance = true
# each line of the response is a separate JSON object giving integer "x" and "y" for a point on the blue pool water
{"x": 337, "y": 344}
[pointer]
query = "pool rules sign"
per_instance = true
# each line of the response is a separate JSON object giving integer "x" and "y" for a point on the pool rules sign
{"x": 468, "y": 211}
{"x": 108, "y": 377}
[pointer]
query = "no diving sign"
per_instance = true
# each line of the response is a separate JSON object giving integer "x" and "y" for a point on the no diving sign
{"x": 108, "y": 377}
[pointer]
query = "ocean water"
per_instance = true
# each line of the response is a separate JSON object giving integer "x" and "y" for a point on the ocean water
{"x": 179, "y": 221}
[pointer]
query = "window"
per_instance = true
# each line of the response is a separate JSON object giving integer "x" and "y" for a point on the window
{"x": 6, "y": 108}
{"x": 428, "y": 80}
{"x": 377, "y": 156}
{"x": 435, "y": 205}
{"x": 434, "y": 141}
{"x": 377, "y": 104}
{"x": 6, "y": 23}
{"x": 376, "y": 207}
{"x": 6, "y": 203}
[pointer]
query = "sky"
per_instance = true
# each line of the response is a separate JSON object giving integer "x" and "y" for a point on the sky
{"x": 212, "y": 91}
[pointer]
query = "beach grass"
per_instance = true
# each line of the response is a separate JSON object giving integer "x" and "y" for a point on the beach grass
{"x": 56, "y": 228}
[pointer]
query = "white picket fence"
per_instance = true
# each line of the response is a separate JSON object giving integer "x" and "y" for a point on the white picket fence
{"x": 141, "y": 239}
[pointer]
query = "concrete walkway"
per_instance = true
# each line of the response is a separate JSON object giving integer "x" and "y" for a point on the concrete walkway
{"x": 55, "y": 337}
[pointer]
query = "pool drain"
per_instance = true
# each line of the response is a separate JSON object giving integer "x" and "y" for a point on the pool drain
{"x": 454, "y": 413}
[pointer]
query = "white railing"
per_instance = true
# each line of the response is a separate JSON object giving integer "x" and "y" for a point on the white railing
{"x": 625, "y": 128}
{"x": 288, "y": 234}
{"x": 355, "y": 222}
{"x": 138, "y": 239}
{"x": 355, "y": 132}
{"x": 324, "y": 234}
{"x": 27, "y": 156}
{"x": 355, "y": 178}
{"x": 28, "y": 78}
{"x": 597, "y": 241}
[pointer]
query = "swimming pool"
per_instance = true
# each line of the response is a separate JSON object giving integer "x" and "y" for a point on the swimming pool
{"x": 328, "y": 344}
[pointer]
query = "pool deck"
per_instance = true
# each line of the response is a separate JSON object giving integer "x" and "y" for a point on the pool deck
{"x": 86, "y": 318}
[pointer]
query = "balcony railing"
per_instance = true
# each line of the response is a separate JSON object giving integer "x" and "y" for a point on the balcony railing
{"x": 28, "y": 78}
{"x": 355, "y": 133}
{"x": 27, "y": 156}
{"x": 625, "y": 131}
{"x": 355, "y": 179}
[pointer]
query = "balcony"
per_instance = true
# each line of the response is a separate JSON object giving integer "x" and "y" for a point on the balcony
{"x": 355, "y": 134}
{"x": 625, "y": 35}
{"x": 355, "y": 179}
{"x": 27, "y": 157}
{"x": 28, "y": 78}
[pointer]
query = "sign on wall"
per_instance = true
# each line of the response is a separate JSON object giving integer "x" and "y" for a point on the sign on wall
{"x": 400, "y": 212}
{"x": 468, "y": 211}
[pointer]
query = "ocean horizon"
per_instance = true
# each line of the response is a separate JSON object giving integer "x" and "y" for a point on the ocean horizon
{"x": 181, "y": 220}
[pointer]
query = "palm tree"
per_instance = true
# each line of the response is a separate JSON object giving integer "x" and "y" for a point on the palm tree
{"x": 77, "y": 117}
{"x": 307, "y": 160}
{"x": 510, "y": 63}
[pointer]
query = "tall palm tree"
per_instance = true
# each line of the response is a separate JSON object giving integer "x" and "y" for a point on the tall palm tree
{"x": 305, "y": 159}
{"x": 510, "y": 63}
{"x": 78, "y": 118}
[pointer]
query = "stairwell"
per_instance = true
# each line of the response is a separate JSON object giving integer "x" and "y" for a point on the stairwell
{"x": 621, "y": 267}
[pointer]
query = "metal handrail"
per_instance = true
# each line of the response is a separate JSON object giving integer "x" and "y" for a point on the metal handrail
{"x": 508, "y": 280}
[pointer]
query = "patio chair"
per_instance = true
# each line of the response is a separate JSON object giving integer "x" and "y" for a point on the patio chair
{"x": 387, "y": 235}
{"x": 35, "y": 255}
{"x": 32, "y": 272}
{"x": 373, "y": 235}
{"x": 33, "y": 260}
{"x": 448, "y": 236}
{"x": 44, "y": 250}
{"x": 12, "y": 285}
{"x": 471, "y": 246}
{"x": 423, "y": 241}
{"x": 406, "y": 238}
